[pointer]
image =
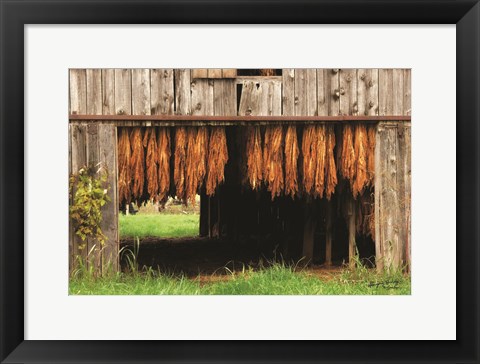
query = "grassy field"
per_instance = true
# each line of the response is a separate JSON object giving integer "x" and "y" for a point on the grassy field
{"x": 275, "y": 280}
{"x": 158, "y": 225}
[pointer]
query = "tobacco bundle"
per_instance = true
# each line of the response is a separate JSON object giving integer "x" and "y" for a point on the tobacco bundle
{"x": 361, "y": 150}
{"x": 164, "y": 153}
{"x": 291, "y": 159}
{"x": 180, "y": 161}
{"x": 137, "y": 163}
{"x": 217, "y": 159}
{"x": 314, "y": 157}
{"x": 124, "y": 175}
{"x": 330, "y": 168}
{"x": 195, "y": 167}
{"x": 254, "y": 156}
{"x": 273, "y": 160}
{"x": 347, "y": 159}
{"x": 151, "y": 161}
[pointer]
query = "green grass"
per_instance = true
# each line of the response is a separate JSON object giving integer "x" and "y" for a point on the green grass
{"x": 158, "y": 225}
{"x": 275, "y": 280}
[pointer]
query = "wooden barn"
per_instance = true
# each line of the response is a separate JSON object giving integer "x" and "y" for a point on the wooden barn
{"x": 316, "y": 160}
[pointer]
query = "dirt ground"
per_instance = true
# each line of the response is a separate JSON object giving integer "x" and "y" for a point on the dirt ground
{"x": 210, "y": 259}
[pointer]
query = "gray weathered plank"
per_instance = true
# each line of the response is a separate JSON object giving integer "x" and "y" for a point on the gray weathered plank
{"x": 93, "y": 161}
{"x": 249, "y": 99}
{"x": 407, "y": 90}
{"x": 367, "y": 91}
{"x": 94, "y": 92}
{"x": 385, "y": 91}
{"x": 390, "y": 218}
{"x": 78, "y": 91}
{"x": 108, "y": 91}
{"x": 123, "y": 92}
{"x": 398, "y": 93}
{"x": 334, "y": 81}
{"x": 202, "y": 97}
{"x": 224, "y": 97}
{"x": 183, "y": 100}
{"x": 269, "y": 98}
{"x": 305, "y": 92}
{"x": 348, "y": 92}
{"x": 288, "y": 92}
{"x": 162, "y": 92}
{"x": 141, "y": 91}
{"x": 107, "y": 137}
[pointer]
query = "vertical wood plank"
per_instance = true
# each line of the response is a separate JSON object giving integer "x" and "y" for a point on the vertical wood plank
{"x": 199, "y": 73}
{"x": 391, "y": 229}
{"x": 305, "y": 98}
{"x": 202, "y": 97}
{"x": 408, "y": 190}
{"x": 94, "y": 92}
{"x": 334, "y": 81}
{"x": 249, "y": 99}
{"x": 398, "y": 91}
{"x": 162, "y": 92}
{"x": 78, "y": 91}
{"x": 323, "y": 92}
{"x": 93, "y": 161}
{"x": 288, "y": 92}
{"x": 123, "y": 92}
{"x": 348, "y": 92}
{"x": 367, "y": 91}
{"x": 269, "y": 98}
{"x": 183, "y": 104}
{"x": 379, "y": 256}
{"x": 141, "y": 92}
{"x": 407, "y": 90}
{"x": 107, "y": 137}
{"x": 385, "y": 91}
{"x": 224, "y": 97}
{"x": 108, "y": 91}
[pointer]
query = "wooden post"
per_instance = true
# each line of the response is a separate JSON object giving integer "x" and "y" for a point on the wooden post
{"x": 392, "y": 196}
{"x": 328, "y": 239}
{"x": 352, "y": 247}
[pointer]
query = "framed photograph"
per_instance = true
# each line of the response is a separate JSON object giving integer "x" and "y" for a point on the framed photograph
{"x": 239, "y": 182}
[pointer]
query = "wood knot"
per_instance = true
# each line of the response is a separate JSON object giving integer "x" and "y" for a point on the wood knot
{"x": 198, "y": 106}
{"x": 370, "y": 104}
{"x": 120, "y": 112}
{"x": 335, "y": 70}
{"x": 296, "y": 100}
{"x": 342, "y": 91}
{"x": 362, "y": 76}
{"x": 336, "y": 93}
{"x": 370, "y": 83}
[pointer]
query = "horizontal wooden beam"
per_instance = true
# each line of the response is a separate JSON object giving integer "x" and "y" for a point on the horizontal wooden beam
{"x": 206, "y": 118}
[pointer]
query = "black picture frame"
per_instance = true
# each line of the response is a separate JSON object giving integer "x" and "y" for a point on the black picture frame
{"x": 15, "y": 14}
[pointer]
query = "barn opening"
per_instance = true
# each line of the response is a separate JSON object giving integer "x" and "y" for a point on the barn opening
{"x": 104, "y": 101}
{"x": 271, "y": 191}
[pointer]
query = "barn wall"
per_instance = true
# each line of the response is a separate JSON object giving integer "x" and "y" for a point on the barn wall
{"x": 297, "y": 92}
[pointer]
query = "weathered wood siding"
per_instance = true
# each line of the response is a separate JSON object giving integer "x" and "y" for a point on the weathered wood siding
{"x": 297, "y": 92}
